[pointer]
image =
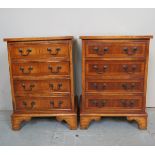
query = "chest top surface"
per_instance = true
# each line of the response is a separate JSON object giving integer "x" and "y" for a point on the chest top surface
{"x": 146, "y": 37}
{"x": 38, "y": 39}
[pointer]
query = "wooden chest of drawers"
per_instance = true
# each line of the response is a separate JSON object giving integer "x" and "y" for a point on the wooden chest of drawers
{"x": 114, "y": 78}
{"x": 41, "y": 73}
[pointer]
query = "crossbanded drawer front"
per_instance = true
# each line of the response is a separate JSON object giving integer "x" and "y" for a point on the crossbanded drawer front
{"x": 114, "y": 102}
{"x": 39, "y": 50}
{"x": 115, "y": 49}
{"x": 115, "y": 86}
{"x": 41, "y": 86}
{"x": 43, "y": 103}
{"x": 42, "y": 68}
{"x": 115, "y": 68}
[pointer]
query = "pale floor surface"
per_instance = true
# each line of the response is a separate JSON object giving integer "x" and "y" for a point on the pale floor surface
{"x": 47, "y": 131}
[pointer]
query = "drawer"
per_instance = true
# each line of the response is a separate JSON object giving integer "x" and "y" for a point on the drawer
{"x": 41, "y": 86}
{"x": 43, "y": 68}
{"x": 115, "y": 49}
{"x": 114, "y": 102}
{"x": 120, "y": 86}
{"x": 42, "y": 103}
{"x": 39, "y": 50}
{"x": 115, "y": 68}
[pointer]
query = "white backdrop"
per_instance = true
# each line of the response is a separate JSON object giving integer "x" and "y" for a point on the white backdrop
{"x": 76, "y": 22}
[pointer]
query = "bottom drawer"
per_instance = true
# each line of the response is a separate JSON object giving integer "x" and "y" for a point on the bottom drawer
{"x": 114, "y": 102}
{"x": 43, "y": 103}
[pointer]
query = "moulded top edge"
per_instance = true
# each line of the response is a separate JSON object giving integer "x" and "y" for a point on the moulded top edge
{"x": 39, "y": 38}
{"x": 116, "y": 37}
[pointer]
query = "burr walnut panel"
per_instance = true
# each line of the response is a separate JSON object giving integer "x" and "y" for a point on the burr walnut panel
{"x": 42, "y": 103}
{"x": 115, "y": 68}
{"x": 114, "y": 102}
{"x": 42, "y": 68}
{"x": 40, "y": 50}
{"x": 115, "y": 86}
{"x": 22, "y": 87}
{"x": 115, "y": 49}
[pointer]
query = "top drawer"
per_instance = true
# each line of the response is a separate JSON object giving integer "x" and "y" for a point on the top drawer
{"x": 117, "y": 49}
{"x": 41, "y": 49}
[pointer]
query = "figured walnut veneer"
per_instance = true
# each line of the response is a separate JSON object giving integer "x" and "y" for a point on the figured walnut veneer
{"x": 41, "y": 75}
{"x": 114, "y": 78}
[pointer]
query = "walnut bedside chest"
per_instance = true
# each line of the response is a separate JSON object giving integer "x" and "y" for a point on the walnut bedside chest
{"x": 114, "y": 78}
{"x": 41, "y": 74}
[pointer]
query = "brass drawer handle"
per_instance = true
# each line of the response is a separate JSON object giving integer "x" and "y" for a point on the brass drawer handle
{"x": 105, "y": 49}
{"x": 51, "y": 85}
{"x": 26, "y": 53}
{"x": 99, "y": 87}
{"x": 128, "y": 69}
{"x": 125, "y": 68}
{"x": 125, "y": 86}
{"x": 57, "y": 69}
{"x": 30, "y": 87}
{"x": 123, "y": 102}
{"x": 60, "y": 104}
{"x": 130, "y": 52}
{"x": 26, "y": 72}
{"x": 125, "y": 49}
{"x": 98, "y": 52}
{"x": 133, "y": 68}
{"x": 132, "y": 86}
{"x": 94, "y": 102}
{"x": 96, "y": 49}
{"x": 57, "y": 50}
{"x": 52, "y": 104}
{"x": 100, "y": 103}
{"x": 128, "y": 86}
{"x": 132, "y": 103}
{"x": 99, "y": 71}
{"x": 105, "y": 67}
{"x": 127, "y": 103}
{"x": 26, "y": 105}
